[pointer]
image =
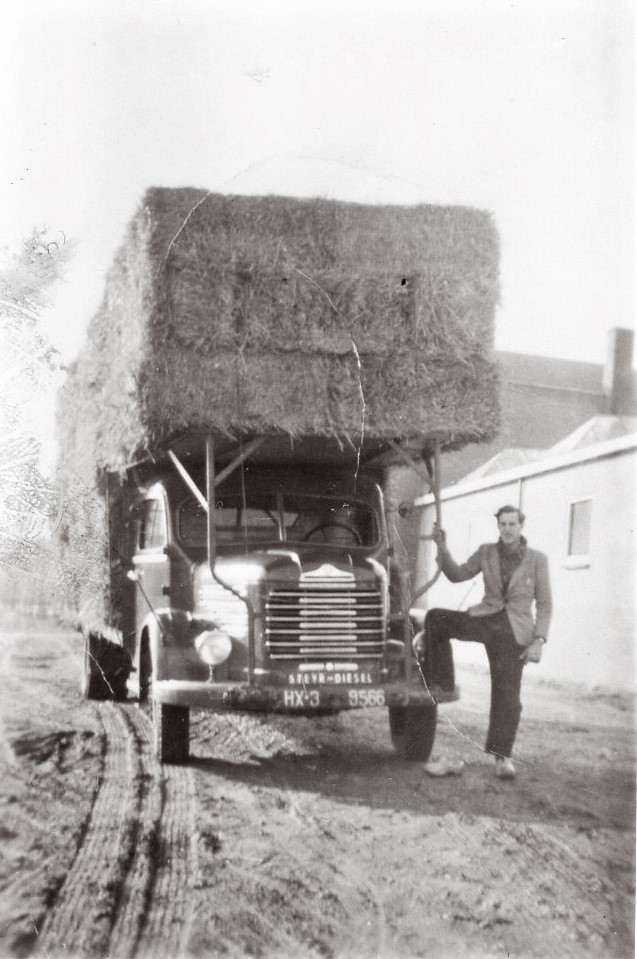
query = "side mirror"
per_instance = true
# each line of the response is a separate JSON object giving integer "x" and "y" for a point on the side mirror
{"x": 133, "y": 575}
{"x": 404, "y": 509}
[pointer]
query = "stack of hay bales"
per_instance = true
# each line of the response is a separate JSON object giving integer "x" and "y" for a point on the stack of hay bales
{"x": 311, "y": 318}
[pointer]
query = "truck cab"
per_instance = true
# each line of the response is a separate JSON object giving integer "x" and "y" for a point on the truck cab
{"x": 270, "y": 587}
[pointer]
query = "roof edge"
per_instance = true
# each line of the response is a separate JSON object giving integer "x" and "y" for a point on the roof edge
{"x": 549, "y": 464}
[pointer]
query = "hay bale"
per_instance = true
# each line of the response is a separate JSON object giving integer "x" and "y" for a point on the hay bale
{"x": 271, "y": 314}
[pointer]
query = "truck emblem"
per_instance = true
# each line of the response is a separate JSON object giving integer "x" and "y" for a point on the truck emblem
{"x": 327, "y": 572}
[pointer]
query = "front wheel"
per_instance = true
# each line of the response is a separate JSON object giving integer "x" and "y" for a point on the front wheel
{"x": 171, "y": 732}
{"x": 413, "y": 730}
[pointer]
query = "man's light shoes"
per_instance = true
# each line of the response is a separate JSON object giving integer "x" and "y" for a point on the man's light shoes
{"x": 444, "y": 767}
{"x": 504, "y": 768}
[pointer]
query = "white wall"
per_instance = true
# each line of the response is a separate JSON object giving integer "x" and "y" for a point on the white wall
{"x": 592, "y": 638}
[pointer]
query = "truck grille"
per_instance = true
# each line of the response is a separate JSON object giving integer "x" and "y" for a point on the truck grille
{"x": 314, "y": 622}
{"x": 225, "y": 609}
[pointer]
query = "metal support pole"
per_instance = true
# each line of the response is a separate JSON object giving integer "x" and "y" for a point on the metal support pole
{"x": 210, "y": 498}
{"x": 188, "y": 480}
{"x": 212, "y": 552}
{"x": 438, "y": 507}
{"x": 247, "y": 450}
{"x": 437, "y": 477}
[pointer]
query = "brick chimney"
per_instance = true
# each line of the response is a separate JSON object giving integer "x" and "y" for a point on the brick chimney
{"x": 618, "y": 376}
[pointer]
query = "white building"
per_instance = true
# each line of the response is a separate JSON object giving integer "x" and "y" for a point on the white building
{"x": 579, "y": 499}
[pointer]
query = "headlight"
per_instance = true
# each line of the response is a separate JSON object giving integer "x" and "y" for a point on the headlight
{"x": 213, "y": 647}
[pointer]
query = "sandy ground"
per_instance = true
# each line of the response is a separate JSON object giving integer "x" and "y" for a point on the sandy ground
{"x": 304, "y": 838}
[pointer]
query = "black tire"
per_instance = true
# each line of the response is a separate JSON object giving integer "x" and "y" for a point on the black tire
{"x": 119, "y": 687}
{"x": 105, "y": 670}
{"x": 171, "y": 732}
{"x": 92, "y": 682}
{"x": 413, "y": 730}
{"x": 145, "y": 671}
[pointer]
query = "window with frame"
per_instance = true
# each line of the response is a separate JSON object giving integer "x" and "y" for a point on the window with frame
{"x": 579, "y": 529}
{"x": 152, "y": 524}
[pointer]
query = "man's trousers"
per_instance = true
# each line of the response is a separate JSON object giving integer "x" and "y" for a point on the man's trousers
{"x": 496, "y": 635}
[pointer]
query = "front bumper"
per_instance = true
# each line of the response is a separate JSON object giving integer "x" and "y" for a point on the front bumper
{"x": 294, "y": 699}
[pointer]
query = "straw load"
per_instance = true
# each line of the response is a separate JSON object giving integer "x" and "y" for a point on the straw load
{"x": 307, "y": 317}
{"x": 312, "y": 318}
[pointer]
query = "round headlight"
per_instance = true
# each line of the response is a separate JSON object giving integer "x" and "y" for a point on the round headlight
{"x": 213, "y": 647}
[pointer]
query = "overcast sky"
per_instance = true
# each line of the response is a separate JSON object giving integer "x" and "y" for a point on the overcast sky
{"x": 523, "y": 108}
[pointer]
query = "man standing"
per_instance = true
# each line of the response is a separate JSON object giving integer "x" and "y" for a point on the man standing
{"x": 515, "y": 577}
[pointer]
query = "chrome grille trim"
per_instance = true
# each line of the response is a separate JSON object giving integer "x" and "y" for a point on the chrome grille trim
{"x": 314, "y": 622}
{"x": 223, "y": 608}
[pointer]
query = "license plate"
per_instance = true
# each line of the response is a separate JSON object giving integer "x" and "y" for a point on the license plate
{"x": 314, "y": 698}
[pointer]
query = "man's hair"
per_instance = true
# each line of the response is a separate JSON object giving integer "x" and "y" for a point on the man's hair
{"x": 511, "y": 509}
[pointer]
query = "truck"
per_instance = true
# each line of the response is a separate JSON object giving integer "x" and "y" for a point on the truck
{"x": 250, "y": 565}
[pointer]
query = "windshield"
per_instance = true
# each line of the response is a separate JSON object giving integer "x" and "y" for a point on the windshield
{"x": 288, "y": 518}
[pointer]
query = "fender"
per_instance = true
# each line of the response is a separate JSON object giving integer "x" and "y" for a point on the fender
{"x": 168, "y": 627}
{"x": 171, "y": 633}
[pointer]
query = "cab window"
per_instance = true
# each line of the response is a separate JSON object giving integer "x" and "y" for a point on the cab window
{"x": 266, "y": 518}
{"x": 151, "y": 525}
{"x": 233, "y": 522}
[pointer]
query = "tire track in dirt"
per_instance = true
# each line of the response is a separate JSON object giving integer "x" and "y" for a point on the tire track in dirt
{"x": 136, "y": 887}
{"x": 79, "y": 916}
{"x": 169, "y": 918}
{"x": 156, "y": 914}
{"x": 127, "y": 892}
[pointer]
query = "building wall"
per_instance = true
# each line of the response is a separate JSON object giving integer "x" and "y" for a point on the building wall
{"x": 542, "y": 400}
{"x": 532, "y": 417}
{"x": 593, "y": 633}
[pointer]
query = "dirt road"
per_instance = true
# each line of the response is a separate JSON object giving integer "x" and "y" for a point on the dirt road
{"x": 298, "y": 838}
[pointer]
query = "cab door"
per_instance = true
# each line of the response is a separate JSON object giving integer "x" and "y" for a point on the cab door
{"x": 150, "y": 560}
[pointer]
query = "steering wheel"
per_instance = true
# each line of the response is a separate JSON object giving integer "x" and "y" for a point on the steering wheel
{"x": 322, "y": 526}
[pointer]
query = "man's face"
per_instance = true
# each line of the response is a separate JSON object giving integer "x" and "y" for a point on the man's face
{"x": 510, "y": 528}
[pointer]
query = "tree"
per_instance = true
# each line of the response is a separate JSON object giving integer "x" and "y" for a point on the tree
{"x": 30, "y": 364}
